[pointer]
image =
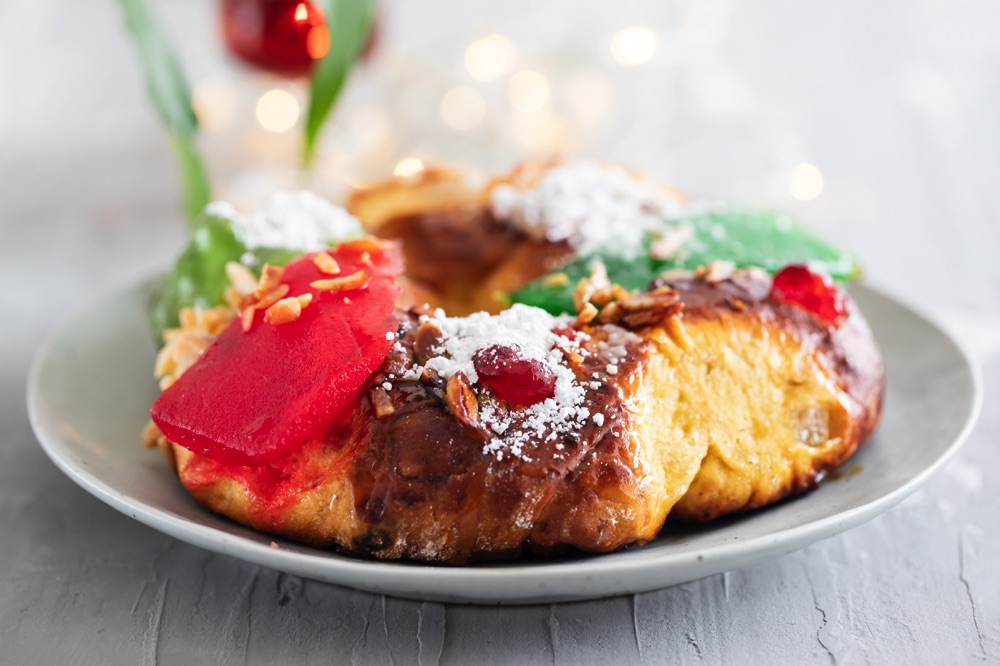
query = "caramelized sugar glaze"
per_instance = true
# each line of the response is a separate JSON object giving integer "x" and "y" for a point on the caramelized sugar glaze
{"x": 419, "y": 484}
{"x": 734, "y": 401}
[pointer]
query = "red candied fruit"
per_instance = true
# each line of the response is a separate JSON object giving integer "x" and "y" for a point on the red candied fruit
{"x": 512, "y": 377}
{"x": 813, "y": 292}
{"x": 265, "y": 387}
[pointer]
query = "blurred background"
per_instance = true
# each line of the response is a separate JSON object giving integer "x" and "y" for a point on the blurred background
{"x": 876, "y": 125}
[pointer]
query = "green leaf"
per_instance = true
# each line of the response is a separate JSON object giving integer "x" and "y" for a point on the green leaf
{"x": 199, "y": 279}
{"x": 349, "y": 23}
{"x": 172, "y": 99}
{"x": 197, "y": 192}
{"x": 766, "y": 239}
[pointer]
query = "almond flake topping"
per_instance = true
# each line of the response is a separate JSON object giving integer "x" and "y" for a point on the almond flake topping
{"x": 559, "y": 279}
{"x": 185, "y": 344}
{"x": 353, "y": 281}
{"x": 587, "y": 314}
{"x": 241, "y": 278}
{"x": 284, "y": 311}
{"x": 718, "y": 271}
{"x": 326, "y": 264}
{"x": 268, "y": 292}
{"x": 270, "y": 298}
{"x": 381, "y": 402}
{"x": 668, "y": 243}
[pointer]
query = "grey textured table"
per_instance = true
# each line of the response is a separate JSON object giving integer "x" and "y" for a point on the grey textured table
{"x": 898, "y": 104}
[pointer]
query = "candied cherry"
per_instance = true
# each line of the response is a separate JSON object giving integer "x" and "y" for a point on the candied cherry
{"x": 519, "y": 380}
{"x": 813, "y": 292}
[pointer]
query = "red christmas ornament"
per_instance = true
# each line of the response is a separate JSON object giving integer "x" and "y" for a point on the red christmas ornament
{"x": 280, "y": 36}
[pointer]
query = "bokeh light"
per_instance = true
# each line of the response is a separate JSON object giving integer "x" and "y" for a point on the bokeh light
{"x": 490, "y": 57}
{"x": 408, "y": 167}
{"x": 805, "y": 181}
{"x": 528, "y": 91}
{"x": 540, "y": 134}
{"x": 463, "y": 108}
{"x": 589, "y": 97}
{"x": 277, "y": 110}
{"x": 633, "y": 46}
{"x": 214, "y": 102}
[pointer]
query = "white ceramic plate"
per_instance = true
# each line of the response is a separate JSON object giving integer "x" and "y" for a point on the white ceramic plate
{"x": 91, "y": 386}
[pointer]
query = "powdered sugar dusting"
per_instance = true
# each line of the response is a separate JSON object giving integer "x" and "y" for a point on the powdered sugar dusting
{"x": 293, "y": 220}
{"x": 524, "y": 328}
{"x": 529, "y": 330}
{"x": 590, "y": 205}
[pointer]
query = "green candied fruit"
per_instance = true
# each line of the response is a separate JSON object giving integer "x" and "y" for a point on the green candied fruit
{"x": 767, "y": 239}
{"x": 198, "y": 278}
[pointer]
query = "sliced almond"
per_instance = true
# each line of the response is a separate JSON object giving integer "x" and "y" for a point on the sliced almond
{"x": 381, "y": 402}
{"x": 270, "y": 298}
{"x": 718, "y": 271}
{"x": 462, "y": 399}
{"x": 595, "y": 289}
{"x": 246, "y": 319}
{"x": 165, "y": 362}
{"x": 270, "y": 277}
{"x": 284, "y": 311}
{"x": 736, "y": 304}
{"x": 587, "y": 314}
{"x": 241, "y": 278}
{"x": 353, "y": 281}
{"x": 641, "y": 318}
{"x": 675, "y": 329}
{"x": 611, "y": 314}
{"x": 661, "y": 297}
{"x": 326, "y": 264}
{"x": 188, "y": 317}
{"x": 151, "y": 435}
{"x": 672, "y": 275}
{"x": 643, "y": 309}
{"x": 368, "y": 243}
{"x": 186, "y": 352}
{"x": 556, "y": 280}
{"x": 668, "y": 243}
{"x": 620, "y": 293}
{"x": 232, "y": 297}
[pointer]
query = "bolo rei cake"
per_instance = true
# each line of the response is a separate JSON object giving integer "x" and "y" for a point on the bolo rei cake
{"x": 451, "y": 370}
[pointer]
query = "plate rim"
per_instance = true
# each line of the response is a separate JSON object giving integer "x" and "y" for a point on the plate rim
{"x": 423, "y": 581}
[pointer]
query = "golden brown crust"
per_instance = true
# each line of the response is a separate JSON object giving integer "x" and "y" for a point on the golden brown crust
{"x": 433, "y": 188}
{"x": 736, "y": 403}
{"x": 738, "y": 409}
{"x": 418, "y": 483}
{"x": 818, "y": 395}
{"x": 463, "y": 258}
